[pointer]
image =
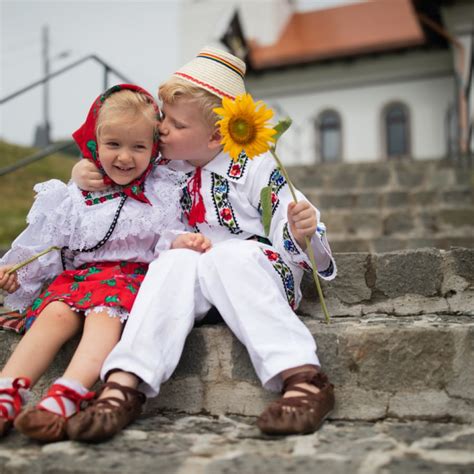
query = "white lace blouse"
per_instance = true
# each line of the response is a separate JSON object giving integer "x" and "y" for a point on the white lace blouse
{"x": 64, "y": 217}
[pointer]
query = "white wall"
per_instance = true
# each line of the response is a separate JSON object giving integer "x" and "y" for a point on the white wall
{"x": 357, "y": 89}
{"x": 361, "y": 115}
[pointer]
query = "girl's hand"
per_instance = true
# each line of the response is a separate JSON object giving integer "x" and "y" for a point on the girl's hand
{"x": 190, "y": 241}
{"x": 87, "y": 176}
{"x": 8, "y": 282}
{"x": 302, "y": 220}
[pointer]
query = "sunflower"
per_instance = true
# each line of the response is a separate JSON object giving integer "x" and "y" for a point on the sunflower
{"x": 244, "y": 126}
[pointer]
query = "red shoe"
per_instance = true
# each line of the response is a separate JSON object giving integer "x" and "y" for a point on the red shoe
{"x": 43, "y": 425}
{"x": 6, "y": 421}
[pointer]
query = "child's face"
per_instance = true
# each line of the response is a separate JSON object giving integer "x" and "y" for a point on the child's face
{"x": 184, "y": 135}
{"x": 125, "y": 149}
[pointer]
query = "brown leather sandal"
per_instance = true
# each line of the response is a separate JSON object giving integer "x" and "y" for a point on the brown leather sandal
{"x": 301, "y": 414}
{"x": 6, "y": 421}
{"x": 105, "y": 417}
{"x": 42, "y": 425}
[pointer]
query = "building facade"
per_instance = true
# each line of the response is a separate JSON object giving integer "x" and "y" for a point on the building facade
{"x": 362, "y": 81}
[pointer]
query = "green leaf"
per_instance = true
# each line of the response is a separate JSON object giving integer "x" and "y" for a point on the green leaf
{"x": 281, "y": 127}
{"x": 266, "y": 203}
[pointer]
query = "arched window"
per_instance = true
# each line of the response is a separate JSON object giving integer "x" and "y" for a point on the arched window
{"x": 330, "y": 136}
{"x": 397, "y": 131}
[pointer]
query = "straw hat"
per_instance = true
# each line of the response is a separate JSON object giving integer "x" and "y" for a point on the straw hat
{"x": 217, "y": 71}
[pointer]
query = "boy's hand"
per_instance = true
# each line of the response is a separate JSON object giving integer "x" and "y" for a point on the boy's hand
{"x": 87, "y": 176}
{"x": 302, "y": 220}
{"x": 8, "y": 282}
{"x": 190, "y": 241}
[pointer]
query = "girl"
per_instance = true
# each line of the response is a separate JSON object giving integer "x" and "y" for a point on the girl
{"x": 107, "y": 240}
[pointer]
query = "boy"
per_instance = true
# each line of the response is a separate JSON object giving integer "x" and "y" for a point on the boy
{"x": 252, "y": 281}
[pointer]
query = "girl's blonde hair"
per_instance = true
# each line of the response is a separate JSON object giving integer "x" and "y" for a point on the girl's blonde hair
{"x": 123, "y": 106}
{"x": 175, "y": 89}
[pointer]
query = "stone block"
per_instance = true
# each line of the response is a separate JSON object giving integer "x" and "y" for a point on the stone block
{"x": 457, "y": 217}
{"x": 194, "y": 355}
{"x": 458, "y": 196}
{"x": 350, "y": 286}
{"x": 463, "y": 364}
{"x": 452, "y": 241}
{"x": 409, "y": 272}
{"x": 336, "y": 201}
{"x": 388, "y": 244}
{"x": 396, "y": 199}
{"x": 463, "y": 263}
{"x": 442, "y": 178}
{"x": 398, "y": 222}
{"x": 410, "y": 177}
{"x": 431, "y": 405}
{"x": 350, "y": 245}
{"x": 186, "y": 393}
{"x": 429, "y": 221}
{"x": 364, "y": 223}
{"x": 336, "y": 309}
{"x": 463, "y": 176}
{"x": 306, "y": 176}
{"x": 420, "y": 243}
{"x": 423, "y": 198}
{"x": 344, "y": 178}
{"x": 366, "y": 200}
{"x": 461, "y": 303}
{"x": 335, "y": 222}
{"x": 376, "y": 176}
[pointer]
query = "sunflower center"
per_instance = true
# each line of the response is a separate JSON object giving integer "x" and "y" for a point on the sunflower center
{"x": 241, "y": 130}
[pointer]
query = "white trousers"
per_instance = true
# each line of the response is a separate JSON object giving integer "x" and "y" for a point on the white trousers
{"x": 182, "y": 285}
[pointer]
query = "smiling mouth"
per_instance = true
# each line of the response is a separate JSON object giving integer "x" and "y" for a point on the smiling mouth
{"x": 123, "y": 170}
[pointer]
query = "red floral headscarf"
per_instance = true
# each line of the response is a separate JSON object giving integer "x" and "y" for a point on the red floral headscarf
{"x": 86, "y": 140}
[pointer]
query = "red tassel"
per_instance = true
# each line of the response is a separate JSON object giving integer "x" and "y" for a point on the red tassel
{"x": 197, "y": 214}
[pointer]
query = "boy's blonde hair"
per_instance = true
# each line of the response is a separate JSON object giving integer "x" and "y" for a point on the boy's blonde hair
{"x": 175, "y": 89}
{"x": 126, "y": 105}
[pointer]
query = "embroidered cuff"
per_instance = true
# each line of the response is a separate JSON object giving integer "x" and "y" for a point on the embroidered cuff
{"x": 300, "y": 258}
{"x": 294, "y": 251}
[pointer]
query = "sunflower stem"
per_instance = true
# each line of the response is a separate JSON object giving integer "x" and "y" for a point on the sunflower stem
{"x": 31, "y": 259}
{"x": 309, "y": 248}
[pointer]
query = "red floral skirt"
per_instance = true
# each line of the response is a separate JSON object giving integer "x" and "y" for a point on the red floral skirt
{"x": 113, "y": 284}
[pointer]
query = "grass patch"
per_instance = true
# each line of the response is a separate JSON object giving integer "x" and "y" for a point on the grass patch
{"x": 16, "y": 188}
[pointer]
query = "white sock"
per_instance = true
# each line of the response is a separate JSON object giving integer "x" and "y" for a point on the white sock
{"x": 7, "y": 382}
{"x": 50, "y": 404}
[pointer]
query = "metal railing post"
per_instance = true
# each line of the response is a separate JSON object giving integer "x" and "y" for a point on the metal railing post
{"x": 106, "y": 77}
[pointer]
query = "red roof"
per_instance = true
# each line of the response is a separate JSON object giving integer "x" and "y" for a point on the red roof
{"x": 376, "y": 25}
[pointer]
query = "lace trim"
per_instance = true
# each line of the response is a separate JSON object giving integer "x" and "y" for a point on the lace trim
{"x": 113, "y": 311}
{"x": 67, "y": 221}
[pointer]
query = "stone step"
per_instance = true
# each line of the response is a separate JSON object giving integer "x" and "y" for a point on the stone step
{"x": 404, "y": 222}
{"x": 382, "y": 366}
{"x": 445, "y": 241}
{"x": 182, "y": 444}
{"x": 377, "y": 200}
{"x": 401, "y": 175}
{"x": 386, "y": 206}
{"x": 400, "y": 344}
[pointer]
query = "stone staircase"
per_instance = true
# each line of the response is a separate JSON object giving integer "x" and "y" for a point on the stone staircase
{"x": 399, "y": 349}
{"x": 400, "y": 344}
{"x": 386, "y": 206}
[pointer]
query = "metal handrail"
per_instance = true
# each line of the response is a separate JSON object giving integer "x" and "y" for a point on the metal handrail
{"x": 49, "y": 150}
{"x": 107, "y": 70}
